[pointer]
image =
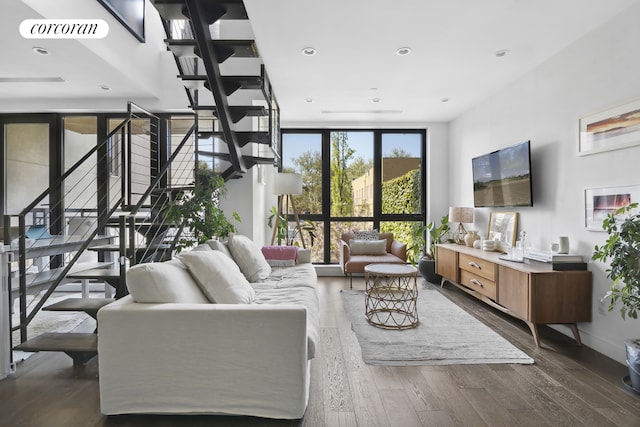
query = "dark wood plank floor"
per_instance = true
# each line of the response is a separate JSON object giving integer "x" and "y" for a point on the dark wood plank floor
{"x": 566, "y": 386}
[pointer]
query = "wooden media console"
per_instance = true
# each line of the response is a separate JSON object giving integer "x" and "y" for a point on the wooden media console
{"x": 534, "y": 293}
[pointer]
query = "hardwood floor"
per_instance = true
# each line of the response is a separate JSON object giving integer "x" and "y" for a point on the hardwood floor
{"x": 566, "y": 386}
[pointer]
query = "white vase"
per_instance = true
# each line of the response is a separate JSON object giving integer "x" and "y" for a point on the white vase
{"x": 563, "y": 245}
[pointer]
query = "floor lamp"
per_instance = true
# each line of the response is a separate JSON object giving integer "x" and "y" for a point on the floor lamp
{"x": 286, "y": 185}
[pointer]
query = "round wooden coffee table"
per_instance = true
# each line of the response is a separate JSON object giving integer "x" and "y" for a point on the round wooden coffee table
{"x": 391, "y": 295}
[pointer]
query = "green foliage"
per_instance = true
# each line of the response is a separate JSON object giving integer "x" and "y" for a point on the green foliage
{"x": 623, "y": 249}
{"x": 282, "y": 231}
{"x": 198, "y": 210}
{"x": 341, "y": 191}
{"x": 309, "y": 165}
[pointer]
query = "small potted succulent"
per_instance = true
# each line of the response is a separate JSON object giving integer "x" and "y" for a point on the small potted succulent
{"x": 622, "y": 250}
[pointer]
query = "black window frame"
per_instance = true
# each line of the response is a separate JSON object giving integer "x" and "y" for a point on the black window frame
{"x": 377, "y": 217}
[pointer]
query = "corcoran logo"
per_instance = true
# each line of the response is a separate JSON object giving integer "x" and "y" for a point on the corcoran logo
{"x": 64, "y": 29}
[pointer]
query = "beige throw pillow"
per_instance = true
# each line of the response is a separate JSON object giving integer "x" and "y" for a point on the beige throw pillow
{"x": 249, "y": 258}
{"x": 219, "y": 277}
{"x": 368, "y": 247}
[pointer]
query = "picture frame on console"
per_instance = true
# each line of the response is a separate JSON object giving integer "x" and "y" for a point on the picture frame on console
{"x": 599, "y": 202}
{"x": 502, "y": 227}
{"x": 611, "y": 129}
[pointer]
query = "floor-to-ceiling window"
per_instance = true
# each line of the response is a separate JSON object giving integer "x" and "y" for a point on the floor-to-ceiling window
{"x": 357, "y": 179}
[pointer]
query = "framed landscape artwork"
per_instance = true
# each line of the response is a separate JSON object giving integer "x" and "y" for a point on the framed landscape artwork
{"x": 615, "y": 128}
{"x": 601, "y": 201}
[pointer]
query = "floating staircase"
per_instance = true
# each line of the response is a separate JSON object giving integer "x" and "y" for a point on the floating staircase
{"x": 200, "y": 57}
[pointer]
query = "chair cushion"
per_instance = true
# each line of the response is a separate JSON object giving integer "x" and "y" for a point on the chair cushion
{"x": 219, "y": 277}
{"x": 248, "y": 257}
{"x": 163, "y": 282}
{"x": 366, "y": 235}
{"x": 368, "y": 247}
{"x": 357, "y": 263}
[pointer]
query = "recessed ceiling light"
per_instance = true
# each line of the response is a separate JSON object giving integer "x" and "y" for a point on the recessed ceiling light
{"x": 376, "y": 100}
{"x": 444, "y": 100}
{"x": 502, "y": 52}
{"x": 40, "y": 50}
{"x": 308, "y": 51}
{"x": 308, "y": 100}
{"x": 403, "y": 51}
{"x": 105, "y": 87}
{"x": 373, "y": 88}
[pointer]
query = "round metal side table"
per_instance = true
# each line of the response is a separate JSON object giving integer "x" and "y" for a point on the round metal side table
{"x": 391, "y": 295}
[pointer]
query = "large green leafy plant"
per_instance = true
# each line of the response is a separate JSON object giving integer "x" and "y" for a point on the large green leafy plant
{"x": 198, "y": 211}
{"x": 622, "y": 248}
{"x": 438, "y": 235}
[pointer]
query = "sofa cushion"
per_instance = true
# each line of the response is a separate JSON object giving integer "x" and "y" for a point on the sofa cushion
{"x": 163, "y": 282}
{"x": 289, "y": 277}
{"x": 219, "y": 277}
{"x": 218, "y": 245}
{"x": 357, "y": 263}
{"x": 368, "y": 247}
{"x": 304, "y": 296}
{"x": 248, "y": 257}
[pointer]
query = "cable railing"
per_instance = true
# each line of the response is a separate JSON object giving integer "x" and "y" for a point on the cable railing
{"x": 51, "y": 239}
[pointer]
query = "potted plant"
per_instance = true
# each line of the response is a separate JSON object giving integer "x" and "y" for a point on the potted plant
{"x": 283, "y": 234}
{"x": 622, "y": 248}
{"x": 426, "y": 258}
{"x": 198, "y": 210}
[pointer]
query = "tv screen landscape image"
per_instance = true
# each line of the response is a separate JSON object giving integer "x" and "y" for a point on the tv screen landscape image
{"x": 503, "y": 178}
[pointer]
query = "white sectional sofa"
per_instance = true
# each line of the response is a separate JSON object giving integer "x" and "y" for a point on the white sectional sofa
{"x": 166, "y": 348}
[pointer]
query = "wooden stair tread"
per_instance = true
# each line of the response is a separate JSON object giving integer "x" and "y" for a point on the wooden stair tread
{"x": 65, "y": 341}
{"x": 87, "y": 305}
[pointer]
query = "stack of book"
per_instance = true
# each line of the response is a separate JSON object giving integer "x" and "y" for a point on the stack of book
{"x": 558, "y": 261}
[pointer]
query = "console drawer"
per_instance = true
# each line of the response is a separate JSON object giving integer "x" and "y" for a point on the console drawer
{"x": 478, "y": 283}
{"x": 478, "y": 266}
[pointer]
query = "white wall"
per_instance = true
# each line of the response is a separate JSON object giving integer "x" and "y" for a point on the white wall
{"x": 598, "y": 71}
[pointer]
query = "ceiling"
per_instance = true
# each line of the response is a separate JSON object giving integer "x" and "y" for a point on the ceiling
{"x": 451, "y": 68}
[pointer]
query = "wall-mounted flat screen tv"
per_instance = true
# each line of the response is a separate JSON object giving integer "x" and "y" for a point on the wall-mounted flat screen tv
{"x": 503, "y": 178}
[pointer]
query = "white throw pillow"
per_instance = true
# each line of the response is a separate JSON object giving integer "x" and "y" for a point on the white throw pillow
{"x": 163, "y": 282}
{"x": 217, "y": 245}
{"x": 219, "y": 277}
{"x": 304, "y": 256}
{"x": 368, "y": 247}
{"x": 249, "y": 258}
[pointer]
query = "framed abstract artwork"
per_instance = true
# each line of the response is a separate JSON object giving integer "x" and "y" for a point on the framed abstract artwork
{"x": 617, "y": 127}
{"x": 502, "y": 227}
{"x": 599, "y": 202}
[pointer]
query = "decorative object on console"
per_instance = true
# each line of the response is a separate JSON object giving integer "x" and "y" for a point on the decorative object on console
{"x": 614, "y": 128}
{"x": 502, "y": 228}
{"x": 286, "y": 185}
{"x": 471, "y": 237}
{"x": 563, "y": 245}
{"x": 460, "y": 215}
{"x": 599, "y": 202}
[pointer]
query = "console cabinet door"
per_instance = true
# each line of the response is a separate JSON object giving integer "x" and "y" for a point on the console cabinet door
{"x": 447, "y": 263}
{"x": 513, "y": 291}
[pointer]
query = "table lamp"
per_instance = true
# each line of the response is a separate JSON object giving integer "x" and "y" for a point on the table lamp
{"x": 460, "y": 215}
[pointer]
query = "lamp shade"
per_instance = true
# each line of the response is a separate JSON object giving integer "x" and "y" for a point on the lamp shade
{"x": 459, "y": 214}
{"x": 287, "y": 183}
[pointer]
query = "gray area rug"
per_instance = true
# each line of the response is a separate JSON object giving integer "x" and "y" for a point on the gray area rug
{"x": 446, "y": 335}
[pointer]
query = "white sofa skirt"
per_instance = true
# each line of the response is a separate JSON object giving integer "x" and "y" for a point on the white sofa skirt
{"x": 242, "y": 359}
